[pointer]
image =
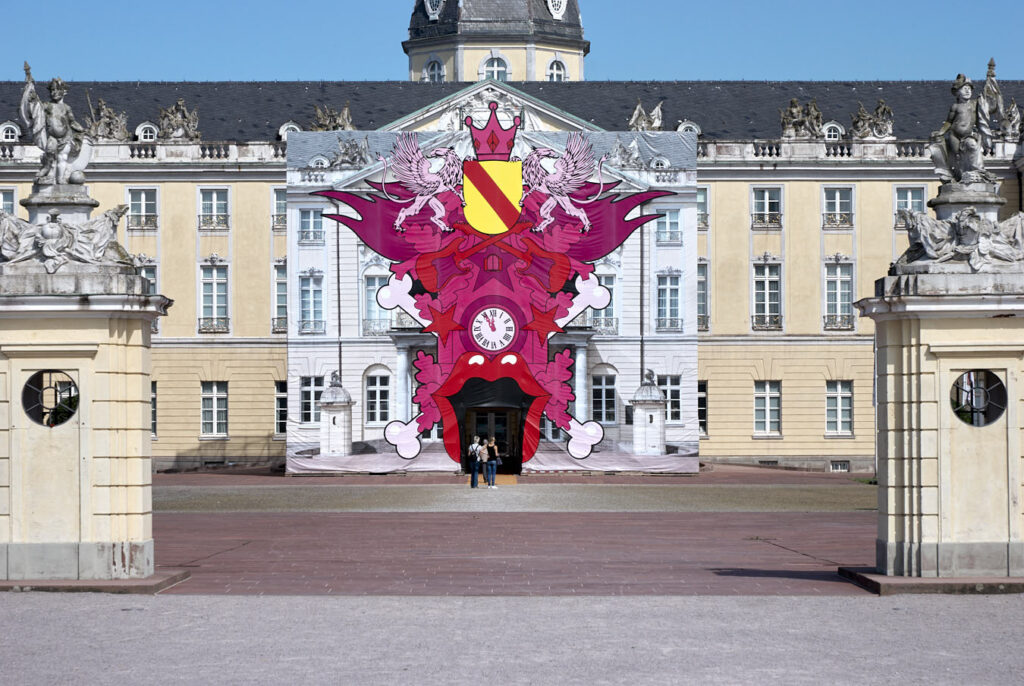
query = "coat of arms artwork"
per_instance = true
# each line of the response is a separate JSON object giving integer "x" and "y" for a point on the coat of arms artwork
{"x": 493, "y": 256}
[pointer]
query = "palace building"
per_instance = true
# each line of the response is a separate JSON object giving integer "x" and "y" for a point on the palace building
{"x": 741, "y": 292}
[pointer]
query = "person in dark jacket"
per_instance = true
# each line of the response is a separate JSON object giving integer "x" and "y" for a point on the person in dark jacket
{"x": 474, "y": 461}
{"x": 492, "y": 462}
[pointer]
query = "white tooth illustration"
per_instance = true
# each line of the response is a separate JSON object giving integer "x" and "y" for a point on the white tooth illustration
{"x": 583, "y": 438}
{"x": 476, "y": 359}
{"x": 405, "y": 437}
{"x": 508, "y": 359}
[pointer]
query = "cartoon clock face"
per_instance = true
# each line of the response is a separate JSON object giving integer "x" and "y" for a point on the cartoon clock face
{"x": 493, "y": 329}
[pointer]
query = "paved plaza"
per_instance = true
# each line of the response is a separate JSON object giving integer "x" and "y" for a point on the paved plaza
{"x": 727, "y": 577}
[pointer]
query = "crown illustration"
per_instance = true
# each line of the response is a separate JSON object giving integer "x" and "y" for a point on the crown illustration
{"x": 493, "y": 142}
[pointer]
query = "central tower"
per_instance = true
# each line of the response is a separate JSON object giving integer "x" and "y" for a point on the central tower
{"x": 512, "y": 40}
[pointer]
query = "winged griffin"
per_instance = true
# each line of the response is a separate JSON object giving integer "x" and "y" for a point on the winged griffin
{"x": 412, "y": 170}
{"x": 571, "y": 173}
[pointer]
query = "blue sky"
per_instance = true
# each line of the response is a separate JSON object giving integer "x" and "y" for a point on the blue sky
{"x": 631, "y": 40}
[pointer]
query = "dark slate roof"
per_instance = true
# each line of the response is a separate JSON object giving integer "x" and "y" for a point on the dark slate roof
{"x": 489, "y": 18}
{"x": 254, "y": 111}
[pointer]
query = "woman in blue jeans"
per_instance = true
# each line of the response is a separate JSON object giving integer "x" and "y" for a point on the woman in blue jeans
{"x": 492, "y": 462}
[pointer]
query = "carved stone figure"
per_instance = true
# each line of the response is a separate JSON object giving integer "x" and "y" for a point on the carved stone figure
{"x": 55, "y": 242}
{"x": 178, "y": 124}
{"x": 813, "y": 119}
{"x": 352, "y": 153}
{"x": 792, "y": 119}
{"x": 65, "y": 148}
{"x": 861, "y": 126}
{"x": 882, "y": 121}
{"x": 107, "y": 124}
{"x": 327, "y": 118}
{"x": 966, "y": 237}
{"x": 640, "y": 120}
{"x": 625, "y": 156}
{"x": 1011, "y": 123}
{"x": 956, "y": 148}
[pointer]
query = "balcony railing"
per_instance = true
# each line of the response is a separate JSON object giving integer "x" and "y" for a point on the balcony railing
{"x": 405, "y": 322}
{"x": 703, "y": 220}
{"x": 214, "y": 222}
{"x": 837, "y": 220}
{"x": 279, "y": 221}
{"x": 312, "y": 326}
{"x": 279, "y": 325}
{"x": 606, "y": 326}
{"x": 214, "y": 324}
{"x": 839, "y": 322}
{"x": 669, "y": 324}
{"x": 675, "y": 236}
{"x": 766, "y": 322}
{"x": 580, "y": 321}
{"x": 311, "y": 236}
{"x": 766, "y": 220}
{"x": 141, "y": 222}
{"x": 376, "y": 327}
{"x": 703, "y": 322}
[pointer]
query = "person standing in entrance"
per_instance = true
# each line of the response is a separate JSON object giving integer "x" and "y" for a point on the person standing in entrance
{"x": 492, "y": 462}
{"x": 481, "y": 455}
{"x": 474, "y": 461}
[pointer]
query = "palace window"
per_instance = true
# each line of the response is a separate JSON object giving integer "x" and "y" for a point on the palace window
{"x": 668, "y": 303}
{"x": 668, "y": 227}
{"x": 434, "y": 72}
{"x": 672, "y": 386}
{"x": 311, "y": 229}
{"x": 375, "y": 319}
{"x": 766, "y": 212}
{"x": 213, "y": 209}
{"x": 9, "y": 133}
{"x": 152, "y": 407}
{"x": 556, "y": 71}
{"x": 214, "y": 306}
{"x": 767, "y": 297}
{"x": 910, "y": 198}
{"x": 604, "y": 321}
{"x": 839, "y": 407}
{"x": 280, "y": 408}
{"x": 279, "y": 318}
{"x": 703, "y": 316}
{"x": 378, "y": 402}
{"x": 279, "y": 219}
{"x": 768, "y": 408}
{"x": 7, "y": 200}
{"x": 142, "y": 208}
{"x": 703, "y": 216}
{"x": 214, "y": 408}
{"x": 147, "y": 133}
{"x": 311, "y": 297}
{"x": 603, "y": 397}
{"x": 702, "y": 407}
{"x": 496, "y": 68}
{"x": 838, "y": 204}
{"x": 839, "y": 296}
{"x": 310, "y": 389}
{"x": 833, "y": 132}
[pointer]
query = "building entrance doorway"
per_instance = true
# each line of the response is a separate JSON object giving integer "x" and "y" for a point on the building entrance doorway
{"x": 505, "y": 425}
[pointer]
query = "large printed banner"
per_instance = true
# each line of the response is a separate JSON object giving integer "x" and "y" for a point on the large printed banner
{"x": 493, "y": 256}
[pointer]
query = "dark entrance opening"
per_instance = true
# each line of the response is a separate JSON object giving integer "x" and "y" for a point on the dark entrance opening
{"x": 494, "y": 408}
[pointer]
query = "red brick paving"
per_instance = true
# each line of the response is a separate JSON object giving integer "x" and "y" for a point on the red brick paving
{"x": 532, "y": 553}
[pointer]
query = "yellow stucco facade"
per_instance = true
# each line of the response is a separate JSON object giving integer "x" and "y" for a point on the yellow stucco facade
{"x": 522, "y": 61}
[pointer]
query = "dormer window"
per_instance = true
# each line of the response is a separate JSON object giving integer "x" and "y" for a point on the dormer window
{"x": 557, "y": 8}
{"x": 434, "y": 72}
{"x": 687, "y": 126}
{"x": 146, "y": 133}
{"x": 556, "y": 71}
{"x": 433, "y": 8}
{"x": 319, "y": 162}
{"x": 9, "y": 133}
{"x": 833, "y": 131}
{"x": 286, "y": 128}
{"x": 496, "y": 68}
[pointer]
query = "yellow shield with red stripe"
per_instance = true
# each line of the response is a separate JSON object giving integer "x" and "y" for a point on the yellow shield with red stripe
{"x": 493, "y": 191}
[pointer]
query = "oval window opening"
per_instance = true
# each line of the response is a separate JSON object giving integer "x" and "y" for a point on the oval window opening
{"x": 978, "y": 397}
{"x": 50, "y": 397}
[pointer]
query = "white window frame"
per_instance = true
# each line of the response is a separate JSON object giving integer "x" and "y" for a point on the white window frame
{"x": 377, "y": 398}
{"x": 768, "y": 399}
{"x": 703, "y": 215}
{"x": 280, "y": 409}
{"x": 604, "y": 399}
{"x": 372, "y": 324}
{"x": 552, "y": 73}
{"x": 605, "y": 320}
{"x": 147, "y": 132}
{"x": 489, "y": 68}
{"x": 310, "y": 390}
{"x": 10, "y": 132}
{"x": 833, "y": 132}
{"x": 838, "y": 397}
{"x": 668, "y": 289}
{"x": 279, "y": 299}
{"x": 833, "y": 216}
{"x": 153, "y": 426}
{"x": 668, "y": 227}
{"x": 215, "y": 303}
{"x": 896, "y": 202}
{"x": 216, "y": 392}
{"x": 278, "y": 210}
{"x": 838, "y": 314}
{"x": 762, "y": 313}
{"x": 311, "y": 303}
{"x": 703, "y": 296}
{"x": 14, "y": 200}
{"x": 762, "y": 217}
{"x": 311, "y": 226}
{"x": 702, "y": 395}
{"x": 145, "y": 224}
{"x": 436, "y": 75}
{"x": 672, "y": 386}
{"x": 215, "y": 224}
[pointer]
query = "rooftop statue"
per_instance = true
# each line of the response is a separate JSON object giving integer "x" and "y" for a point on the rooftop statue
{"x": 877, "y": 124}
{"x": 640, "y": 120}
{"x": 329, "y": 119}
{"x": 108, "y": 125}
{"x": 177, "y": 123}
{"x": 65, "y": 147}
{"x": 801, "y": 122}
{"x": 956, "y": 148}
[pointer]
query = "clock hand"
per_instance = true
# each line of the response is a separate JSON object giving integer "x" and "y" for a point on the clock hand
{"x": 490, "y": 321}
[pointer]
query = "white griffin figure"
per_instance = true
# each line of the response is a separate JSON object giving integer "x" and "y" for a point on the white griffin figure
{"x": 572, "y": 170}
{"x": 412, "y": 171}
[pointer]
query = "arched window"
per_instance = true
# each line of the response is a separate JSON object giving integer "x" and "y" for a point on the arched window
{"x": 319, "y": 162}
{"x": 377, "y": 395}
{"x": 286, "y": 128}
{"x": 496, "y": 69}
{"x": 833, "y": 132}
{"x": 9, "y": 133}
{"x": 434, "y": 73}
{"x": 147, "y": 133}
{"x": 556, "y": 71}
